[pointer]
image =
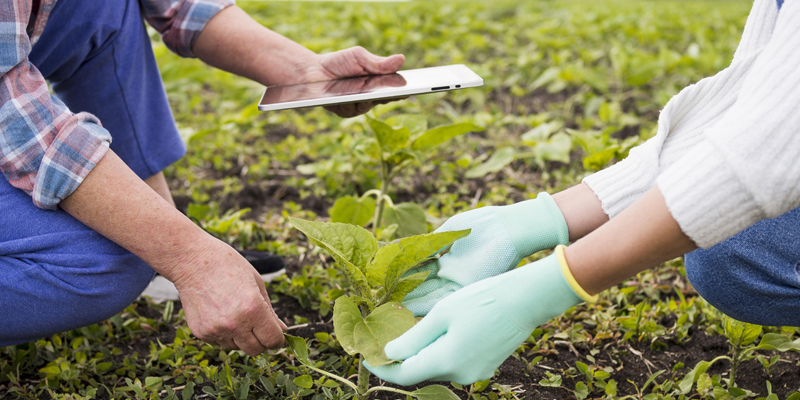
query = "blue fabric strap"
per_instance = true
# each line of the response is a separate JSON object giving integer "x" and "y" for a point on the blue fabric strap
{"x": 780, "y": 3}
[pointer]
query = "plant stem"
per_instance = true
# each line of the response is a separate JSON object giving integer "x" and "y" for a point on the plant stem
{"x": 384, "y": 188}
{"x": 734, "y": 365}
{"x": 363, "y": 380}
{"x": 388, "y": 389}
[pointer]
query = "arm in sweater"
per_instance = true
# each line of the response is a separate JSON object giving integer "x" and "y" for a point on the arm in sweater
{"x": 747, "y": 167}
{"x": 684, "y": 119}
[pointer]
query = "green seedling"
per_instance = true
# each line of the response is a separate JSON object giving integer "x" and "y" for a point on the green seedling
{"x": 741, "y": 337}
{"x": 371, "y": 314}
{"x": 397, "y": 143}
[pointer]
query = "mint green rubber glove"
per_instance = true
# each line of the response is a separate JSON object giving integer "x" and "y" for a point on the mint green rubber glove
{"x": 500, "y": 238}
{"x": 469, "y": 334}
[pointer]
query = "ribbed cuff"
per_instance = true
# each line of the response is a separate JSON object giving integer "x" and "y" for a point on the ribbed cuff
{"x": 706, "y": 198}
{"x": 621, "y": 184}
{"x": 534, "y": 225}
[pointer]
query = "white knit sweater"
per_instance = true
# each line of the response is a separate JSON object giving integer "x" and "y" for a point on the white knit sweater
{"x": 727, "y": 151}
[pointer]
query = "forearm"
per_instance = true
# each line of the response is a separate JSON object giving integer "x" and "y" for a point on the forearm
{"x": 234, "y": 42}
{"x": 113, "y": 201}
{"x": 642, "y": 236}
{"x": 582, "y": 210}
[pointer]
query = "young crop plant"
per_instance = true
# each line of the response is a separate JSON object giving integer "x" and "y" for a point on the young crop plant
{"x": 398, "y": 142}
{"x": 741, "y": 337}
{"x": 371, "y": 314}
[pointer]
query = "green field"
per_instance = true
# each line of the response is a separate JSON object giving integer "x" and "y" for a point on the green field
{"x": 570, "y": 87}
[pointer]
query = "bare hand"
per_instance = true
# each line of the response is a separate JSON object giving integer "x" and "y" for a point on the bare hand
{"x": 355, "y": 61}
{"x": 226, "y": 303}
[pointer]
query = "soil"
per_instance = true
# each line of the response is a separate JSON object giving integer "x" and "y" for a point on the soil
{"x": 628, "y": 366}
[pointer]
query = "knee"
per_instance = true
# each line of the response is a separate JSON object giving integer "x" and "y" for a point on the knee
{"x": 746, "y": 286}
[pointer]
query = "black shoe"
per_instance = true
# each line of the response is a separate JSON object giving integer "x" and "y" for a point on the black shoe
{"x": 264, "y": 262}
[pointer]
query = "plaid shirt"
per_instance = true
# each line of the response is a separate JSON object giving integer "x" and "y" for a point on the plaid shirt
{"x": 45, "y": 149}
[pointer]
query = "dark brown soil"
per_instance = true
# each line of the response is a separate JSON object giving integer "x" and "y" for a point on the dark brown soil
{"x": 628, "y": 366}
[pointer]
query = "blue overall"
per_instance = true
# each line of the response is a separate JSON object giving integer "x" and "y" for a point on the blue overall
{"x": 55, "y": 273}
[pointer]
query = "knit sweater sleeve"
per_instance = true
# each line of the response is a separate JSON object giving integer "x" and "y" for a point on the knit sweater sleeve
{"x": 747, "y": 167}
{"x": 684, "y": 119}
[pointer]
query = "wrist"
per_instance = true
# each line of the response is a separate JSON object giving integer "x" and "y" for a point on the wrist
{"x": 181, "y": 259}
{"x": 534, "y": 225}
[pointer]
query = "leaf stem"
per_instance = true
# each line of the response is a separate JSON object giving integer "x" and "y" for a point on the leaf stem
{"x": 381, "y": 198}
{"x": 388, "y": 389}
{"x": 372, "y": 192}
{"x": 334, "y": 376}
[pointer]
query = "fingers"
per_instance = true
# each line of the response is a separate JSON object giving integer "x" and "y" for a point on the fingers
{"x": 375, "y": 64}
{"x": 249, "y": 344}
{"x": 351, "y": 109}
{"x": 422, "y": 367}
{"x": 418, "y": 337}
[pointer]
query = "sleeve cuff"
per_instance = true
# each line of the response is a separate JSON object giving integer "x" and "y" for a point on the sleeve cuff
{"x": 76, "y": 150}
{"x": 706, "y": 198}
{"x": 181, "y": 36}
{"x": 621, "y": 184}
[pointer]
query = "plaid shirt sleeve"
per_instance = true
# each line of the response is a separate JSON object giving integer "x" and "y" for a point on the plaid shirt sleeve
{"x": 45, "y": 149}
{"x": 180, "y": 21}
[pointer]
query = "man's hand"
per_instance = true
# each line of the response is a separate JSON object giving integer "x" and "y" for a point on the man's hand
{"x": 355, "y": 61}
{"x": 469, "y": 334}
{"x": 500, "y": 238}
{"x": 223, "y": 296}
{"x": 226, "y": 303}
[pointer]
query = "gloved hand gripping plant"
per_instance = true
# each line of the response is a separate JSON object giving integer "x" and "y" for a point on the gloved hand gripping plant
{"x": 372, "y": 314}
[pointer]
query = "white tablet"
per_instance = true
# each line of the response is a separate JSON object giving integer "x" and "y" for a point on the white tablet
{"x": 369, "y": 87}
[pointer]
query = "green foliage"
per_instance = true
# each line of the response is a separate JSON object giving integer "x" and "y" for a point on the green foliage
{"x": 352, "y": 210}
{"x": 368, "y": 336}
{"x": 373, "y": 316}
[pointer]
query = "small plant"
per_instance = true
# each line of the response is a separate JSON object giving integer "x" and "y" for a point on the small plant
{"x": 371, "y": 315}
{"x": 398, "y": 143}
{"x": 741, "y": 337}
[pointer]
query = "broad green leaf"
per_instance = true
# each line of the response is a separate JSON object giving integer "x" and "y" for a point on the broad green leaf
{"x": 304, "y": 381}
{"x": 394, "y": 260}
{"x": 611, "y": 388}
{"x": 407, "y": 285}
{"x": 581, "y": 391}
{"x": 740, "y": 333}
{"x": 383, "y": 325}
{"x": 441, "y": 134}
{"x": 690, "y": 378}
{"x": 776, "y": 341}
{"x": 352, "y": 210}
{"x": 352, "y": 246}
{"x": 346, "y": 316}
{"x": 499, "y": 159}
{"x": 389, "y": 138}
{"x": 299, "y": 348}
{"x": 434, "y": 392}
{"x": 541, "y": 132}
{"x": 556, "y": 148}
{"x": 416, "y": 123}
{"x": 409, "y": 217}
{"x": 402, "y": 157}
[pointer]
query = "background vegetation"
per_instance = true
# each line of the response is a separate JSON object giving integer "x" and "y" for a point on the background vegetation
{"x": 570, "y": 87}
